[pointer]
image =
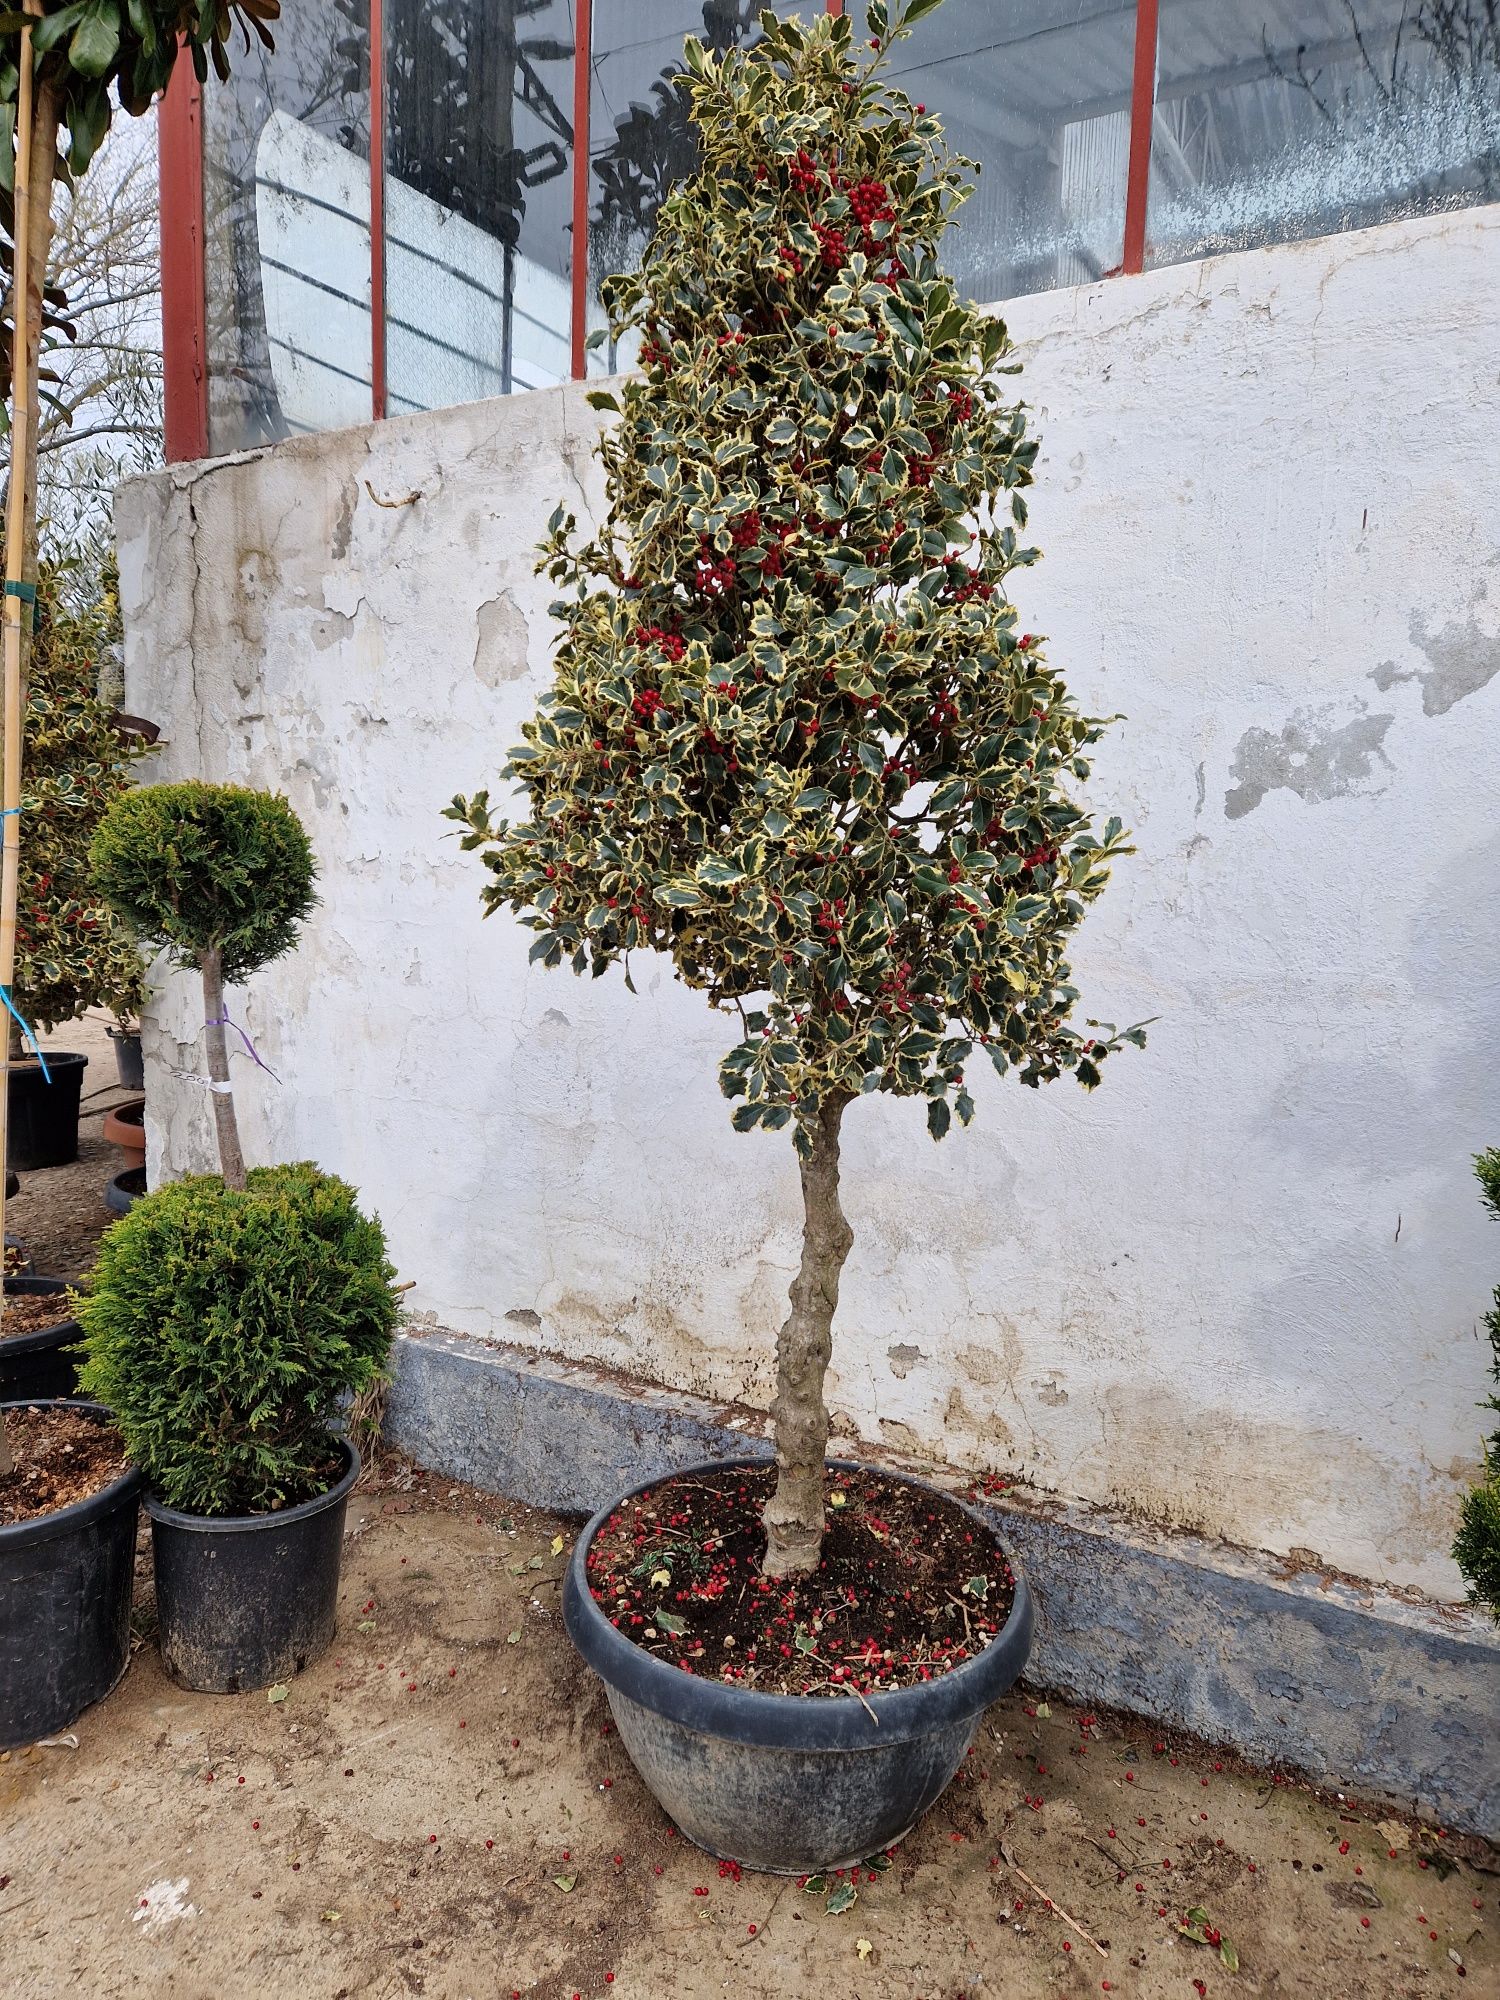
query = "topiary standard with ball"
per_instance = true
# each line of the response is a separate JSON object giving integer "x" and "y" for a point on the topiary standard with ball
{"x": 796, "y": 741}
{"x": 219, "y": 877}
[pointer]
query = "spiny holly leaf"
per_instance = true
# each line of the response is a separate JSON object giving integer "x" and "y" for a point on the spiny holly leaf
{"x": 844, "y": 1897}
{"x": 796, "y": 740}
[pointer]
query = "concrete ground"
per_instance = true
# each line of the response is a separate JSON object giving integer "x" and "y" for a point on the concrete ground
{"x": 440, "y": 1807}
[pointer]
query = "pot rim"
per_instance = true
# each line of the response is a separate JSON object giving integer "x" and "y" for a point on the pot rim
{"x": 41, "y": 1339}
{"x": 791, "y": 1721}
{"x": 249, "y": 1524}
{"x": 61, "y": 1057}
{"x": 79, "y": 1513}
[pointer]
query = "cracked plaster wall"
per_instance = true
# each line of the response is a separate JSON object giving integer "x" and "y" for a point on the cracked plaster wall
{"x": 1238, "y": 1288}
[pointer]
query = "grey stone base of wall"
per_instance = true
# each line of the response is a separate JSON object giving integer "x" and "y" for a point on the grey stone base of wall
{"x": 1364, "y": 1692}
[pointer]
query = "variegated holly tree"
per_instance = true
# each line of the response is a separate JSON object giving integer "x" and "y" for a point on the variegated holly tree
{"x": 796, "y": 741}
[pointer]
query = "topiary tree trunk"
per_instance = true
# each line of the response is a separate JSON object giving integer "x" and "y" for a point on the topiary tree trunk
{"x": 226, "y": 1124}
{"x": 795, "y": 741}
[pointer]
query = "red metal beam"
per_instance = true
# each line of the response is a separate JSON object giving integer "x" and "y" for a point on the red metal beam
{"x": 377, "y": 209}
{"x": 583, "y": 34}
{"x": 184, "y": 315}
{"x": 1142, "y": 111}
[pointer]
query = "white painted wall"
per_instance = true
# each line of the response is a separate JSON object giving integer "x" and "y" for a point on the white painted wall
{"x": 1238, "y": 1288}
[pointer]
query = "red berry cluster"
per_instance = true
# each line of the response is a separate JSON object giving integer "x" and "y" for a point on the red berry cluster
{"x": 961, "y": 402}
{"x": 671, "y": 643}
{"x": 645, "y": 705}
{"x": 713, "y": 576}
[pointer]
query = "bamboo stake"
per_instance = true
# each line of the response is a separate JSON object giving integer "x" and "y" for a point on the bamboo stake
{"x": 22, "y": 390}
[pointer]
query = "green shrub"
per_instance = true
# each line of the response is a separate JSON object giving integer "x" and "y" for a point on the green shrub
{"x": 196, "y": 868}
{"x": 1477, "y": 1547}
{"x": 224, "y": 1325}
{"x": 72, "y": 953}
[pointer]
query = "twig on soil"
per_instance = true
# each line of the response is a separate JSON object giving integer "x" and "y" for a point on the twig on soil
{"x": 765, "y": 1920}
{"x": 1052, "y": 1904}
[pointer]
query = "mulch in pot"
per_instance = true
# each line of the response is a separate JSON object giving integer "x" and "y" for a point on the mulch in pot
{"x": 910, "y": 1586}
{"x": 33, "y": 1312}
{"x": 61, "y": 1457}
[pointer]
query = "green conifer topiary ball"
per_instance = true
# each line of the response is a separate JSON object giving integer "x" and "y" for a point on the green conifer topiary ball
{"x": 225, "y": 1325}
{"x": 195, "y": 867}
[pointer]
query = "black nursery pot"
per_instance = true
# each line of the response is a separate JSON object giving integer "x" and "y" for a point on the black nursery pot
{"x": 789, "y": 1783}
{"x": 34, "y": 1367}
{"x": 43, "y": 1117}
{"x": 65, "y": 1607}
{"x": 249, "y": 1599}
{"x": 130, "y": 1064}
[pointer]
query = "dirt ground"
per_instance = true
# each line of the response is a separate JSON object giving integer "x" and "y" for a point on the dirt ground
{"x": 59, "y": 1212}
{"x": 440, "y": 1807}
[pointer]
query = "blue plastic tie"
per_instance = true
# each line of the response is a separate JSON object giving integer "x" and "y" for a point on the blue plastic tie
{"x": 26, "y": 1030}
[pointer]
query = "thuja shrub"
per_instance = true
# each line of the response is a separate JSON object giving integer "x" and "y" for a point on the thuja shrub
{"x": 1476, "y": 1549}
{"x": 225, "y": 1325}
{"x": 797, "y": 740}
{"x": 220, "y": 877}
{"x": 195, "y": 868}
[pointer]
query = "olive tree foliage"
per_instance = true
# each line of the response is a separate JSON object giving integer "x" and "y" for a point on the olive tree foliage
{"x": 797, "y": 740}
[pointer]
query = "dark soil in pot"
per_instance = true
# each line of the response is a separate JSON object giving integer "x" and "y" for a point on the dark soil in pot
{"x": 825, "y": 1776}
{"x": 124, "y": 1190}
{"x": 37, "y": 1332}
{"x": 43, "y": 1116}
{"x": 247, "y": 1600}
{"x": 67, "y": 1555}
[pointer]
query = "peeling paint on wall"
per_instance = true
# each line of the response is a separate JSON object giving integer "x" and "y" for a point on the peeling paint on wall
{"x": 1311, "y": 755}
{"x": 1464, "y": 657}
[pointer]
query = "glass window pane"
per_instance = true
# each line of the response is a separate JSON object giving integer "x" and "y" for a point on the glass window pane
{"x": 286, "y": 196}
{"x": 1038, "y": 93}
{"x": 640, "y": 139}
{"x": 478, "y": 198}
{"x": 1292, "y": 118}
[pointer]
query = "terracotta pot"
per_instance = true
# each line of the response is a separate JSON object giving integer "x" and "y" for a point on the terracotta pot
{"x": 125, "y": 1127}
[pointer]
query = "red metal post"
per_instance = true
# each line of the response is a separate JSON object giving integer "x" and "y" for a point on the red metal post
{"x": 835, "y": 7}
{"x": 184, "y": 315}
{"x": 1142, "y": 112}
{"x": 583, "y": 32}
{"x": 377, "y": 209}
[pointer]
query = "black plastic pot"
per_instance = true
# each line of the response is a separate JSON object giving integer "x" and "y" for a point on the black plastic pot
{"x": 788, "y": 1783}
{"x": 43, "y": 1127}
{"x": 65, "y": 1607}
{"x": 35, "y": 1367}
{"x": 124, "y": 1190}
{"x": 130, "y": 1064}
{"x": 248, "y": 1600}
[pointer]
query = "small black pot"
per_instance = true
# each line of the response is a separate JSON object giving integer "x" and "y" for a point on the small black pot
{"x": 130, "y": 1064}
{"x": 125, "y": 1190}
{"x": 35, "y": 1367}
{"x": 65, "y": 1607}
{"x": 249, "y": 1599}
{"x": 789, "y": 1783}
{"x": 43, "y": 1117}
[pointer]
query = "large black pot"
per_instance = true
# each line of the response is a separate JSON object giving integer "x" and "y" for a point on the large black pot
{"x": 249, "y": 1599}
{"x": 37, "y": 1366}
{"x": 65, "y": 1607}
{"x": 788, "y": 1783}
{"x": 43, "y": 1117}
